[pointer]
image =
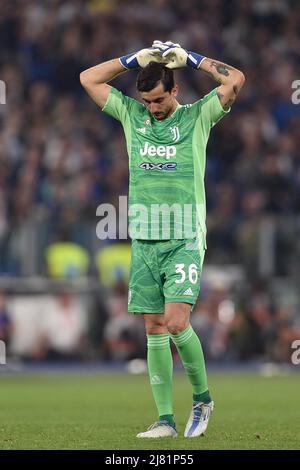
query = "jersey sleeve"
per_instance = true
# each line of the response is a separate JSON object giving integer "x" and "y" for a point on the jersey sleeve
{"x": 118, "y": 105}
{"x": 209, "y": 109}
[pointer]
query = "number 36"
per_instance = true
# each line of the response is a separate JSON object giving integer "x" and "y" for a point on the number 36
{"x": 192, "y": 272}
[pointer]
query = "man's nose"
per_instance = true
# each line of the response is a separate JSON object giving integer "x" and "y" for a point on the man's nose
{"x": 153, "y": 107}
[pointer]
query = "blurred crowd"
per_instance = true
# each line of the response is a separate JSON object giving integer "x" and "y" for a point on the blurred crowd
{"x": 60, "y": 157}
{"x": 235, "y": 324}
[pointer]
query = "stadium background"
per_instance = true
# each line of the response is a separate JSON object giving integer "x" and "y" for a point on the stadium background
{"x": 63, "y": 290}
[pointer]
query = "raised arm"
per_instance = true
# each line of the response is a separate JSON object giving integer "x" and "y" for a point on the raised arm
{"x": 231, "y": 80}
{"x": 95, "y": 79}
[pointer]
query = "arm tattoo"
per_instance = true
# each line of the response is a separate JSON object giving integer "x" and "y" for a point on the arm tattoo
{"x": 227, "y": 104}
{"x": 217, "y": 79}
{"x": 221, "y": 68}
{"x": 230, "y": 101}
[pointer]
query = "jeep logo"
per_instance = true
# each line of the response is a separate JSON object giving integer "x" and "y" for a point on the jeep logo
{"x": 167, "y": 151}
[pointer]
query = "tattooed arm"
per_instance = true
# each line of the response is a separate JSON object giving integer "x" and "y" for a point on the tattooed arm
{"x": 231, "y": 80}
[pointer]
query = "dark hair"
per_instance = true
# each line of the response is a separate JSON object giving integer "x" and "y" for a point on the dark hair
{"x": 150, "y": 76}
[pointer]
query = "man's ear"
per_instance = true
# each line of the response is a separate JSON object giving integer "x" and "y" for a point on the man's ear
{"x": 175, "y": 90}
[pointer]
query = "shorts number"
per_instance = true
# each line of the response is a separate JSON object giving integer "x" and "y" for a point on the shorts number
{"x": 193, "y": 274}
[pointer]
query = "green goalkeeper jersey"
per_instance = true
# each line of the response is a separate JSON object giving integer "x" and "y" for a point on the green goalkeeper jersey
{"x": 166, "y": 166}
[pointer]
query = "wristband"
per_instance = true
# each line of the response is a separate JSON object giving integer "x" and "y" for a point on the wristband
{"x": 194, "y": 60}
{"x": 129, "y": 61}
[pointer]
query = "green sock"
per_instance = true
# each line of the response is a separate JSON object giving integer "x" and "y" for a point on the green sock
{"x": 160, "y": 366}
{"x": 190, "y": 351}
{"x": 168, "y": 418}
{"x": 203, "y": 397}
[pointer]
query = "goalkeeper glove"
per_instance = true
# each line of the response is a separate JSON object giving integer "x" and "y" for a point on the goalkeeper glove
{"x": 141, "y": 58}
{"x": 177, "y": 56}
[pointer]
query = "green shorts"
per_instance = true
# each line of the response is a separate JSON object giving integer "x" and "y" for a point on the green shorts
{"x": 162, "y": 272}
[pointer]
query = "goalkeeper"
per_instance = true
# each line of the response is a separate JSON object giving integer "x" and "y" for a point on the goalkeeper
{"x": 166, "y": 144}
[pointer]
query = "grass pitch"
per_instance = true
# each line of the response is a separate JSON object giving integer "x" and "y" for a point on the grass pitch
{"x": 106, "y": 411}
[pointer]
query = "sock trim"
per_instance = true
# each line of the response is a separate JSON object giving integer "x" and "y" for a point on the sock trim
{"x": 158, "y": 341}
{"x": 183, "y": 337}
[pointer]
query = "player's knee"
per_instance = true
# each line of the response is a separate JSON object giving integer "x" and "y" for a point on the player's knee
{"x": 176, "y": 327}
{"x": 155, "y": 326}
{"x": 156, "y": 330}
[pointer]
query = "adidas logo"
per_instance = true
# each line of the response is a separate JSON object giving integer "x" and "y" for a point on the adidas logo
{"x": 141, "y": 129}
{"x": 188, "y": 292}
